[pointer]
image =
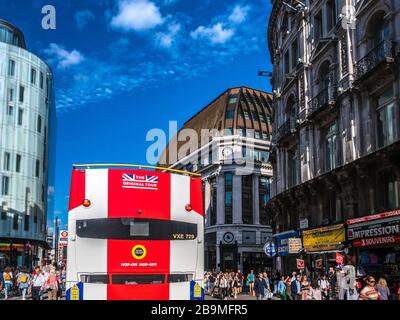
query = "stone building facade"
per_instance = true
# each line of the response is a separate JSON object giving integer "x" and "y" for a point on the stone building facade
{"x": 336, "y": 86}
{"x": 234, "y": 164}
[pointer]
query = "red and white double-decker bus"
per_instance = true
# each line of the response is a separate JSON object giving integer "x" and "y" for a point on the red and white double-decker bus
{"x": 134, "y": 234}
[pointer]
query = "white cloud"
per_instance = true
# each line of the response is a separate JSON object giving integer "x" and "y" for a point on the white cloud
{"x": 239, "y": 14}
{"x": 166, "y": 39}
{"x": 137, "y": 15}
{"x": 62, "y": 57}
{"x": 82, "y": 18}
{"x": 216, "y": 34}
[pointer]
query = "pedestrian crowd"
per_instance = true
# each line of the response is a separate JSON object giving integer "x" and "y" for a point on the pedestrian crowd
{"x": 16, "y": 282}
{"x": 297, "y": 286}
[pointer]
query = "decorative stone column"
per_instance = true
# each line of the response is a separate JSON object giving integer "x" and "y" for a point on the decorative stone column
{"x": 220, "y": 199}
{"x": 237, "y": 199}
{"x": 207, "y": 201}
{"x": 256, "y": 198}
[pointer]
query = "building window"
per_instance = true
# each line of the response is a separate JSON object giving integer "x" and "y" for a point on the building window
{"x": 37, "y": 168}
{"x": 21, "y": 93}
{"x": 26, "y": 222}
{"x": 18, "y": 163}
{"x": 247, "y": 199}
{"x": 287, "y": 62}
{"x": 246, "y": 115}
{"x": 228, "y": 197}
{"x": 230, "y": 114}
{"x": 39, "y": 124}
{"x": 318, "y": 27}
{"x": 11, "y": 94}
{"x": 330, "y": 206}
{"x": 3, "y": 215}
{"x": 331, "y": 147}
{"x": 15, "y": 221}
{"x": 20, "y": 115}
{"x": 5, "y": 185}
{"x": 6, "y": 164}
{"x": 241, "y": 132}
{"x": 392, "y": 201}
{"x": 264, "y": 192}
{"x": 292, "y": 167}
{"x": 41, "y": 80}
{"x": 33, "y": 76}
{"x": 10, "y": 110}
{"x": 43, "y": 193}
{"x": 233, "y": 99}
{"x": 11, "y": 67}
{"x": 250, "y": 133}
{"x": 331, "y": 14}
{"x": 265, "y": 136}
{"x": 213, "y": 204}
{"x": 254, "y": 115}
{"x": 385, "y": 118}
{"x": 295, "y": 54}
{"x": 249, "y": 237}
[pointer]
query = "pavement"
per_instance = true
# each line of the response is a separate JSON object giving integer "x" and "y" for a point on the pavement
{"x": 241, "y": 297}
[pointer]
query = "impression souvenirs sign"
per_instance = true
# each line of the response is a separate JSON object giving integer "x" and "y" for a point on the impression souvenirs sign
{"x": 376, "y": 230}
{"x": 323, "y": 239}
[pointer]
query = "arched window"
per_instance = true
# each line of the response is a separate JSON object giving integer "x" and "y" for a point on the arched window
{"x": 291, "y": 110}
{"x": 377, "y": 30}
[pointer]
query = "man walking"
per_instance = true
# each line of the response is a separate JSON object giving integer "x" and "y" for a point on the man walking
{"x": 296, "y": 288}
{"x": 260, "y": 287}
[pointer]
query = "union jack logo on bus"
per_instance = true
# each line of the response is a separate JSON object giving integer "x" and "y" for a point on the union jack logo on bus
{"x": 134, "y": 181}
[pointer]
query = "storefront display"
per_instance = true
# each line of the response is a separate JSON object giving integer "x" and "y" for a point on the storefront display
{"x": 375, "y": 242}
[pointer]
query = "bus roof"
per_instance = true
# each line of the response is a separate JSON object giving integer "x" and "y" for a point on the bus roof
{"x": 91, "y": 166}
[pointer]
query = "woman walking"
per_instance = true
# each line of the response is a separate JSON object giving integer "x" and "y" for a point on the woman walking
{"x": 52, "y": 285}
{"x": 383, "y": 289}
{"x": 288, "y": 284}
{"x": 369, "y": 292}
{"x": 8, "y": 281}
{"x": 250, "y": 282}
{"x": 23, "y": 281}
{"x": 305, "y": 288}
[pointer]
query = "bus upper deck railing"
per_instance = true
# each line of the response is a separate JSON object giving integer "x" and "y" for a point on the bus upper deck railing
{"x": 138, "y": 166}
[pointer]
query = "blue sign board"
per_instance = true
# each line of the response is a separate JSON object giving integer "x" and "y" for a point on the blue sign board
{"x": 75, "y": 292}
{"x": 269, "y": 249}
{"x": 196, "y": 291}
{"x": 282, "y": 239}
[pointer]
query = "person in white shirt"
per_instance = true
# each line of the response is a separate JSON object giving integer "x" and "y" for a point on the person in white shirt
{"x": 324, "y": 286}
{"x": 38, "y": 282}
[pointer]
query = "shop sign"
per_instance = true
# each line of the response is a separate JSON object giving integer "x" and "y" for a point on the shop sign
{"x": 324, "y": 239}
{"x": 377, "y": 241}
{"x": 339, "y": 258}
{"x": 300, "y": 264}
{"x": 294, "y": 245}
{"x": 318, "y": 264}
{"x": 269, "y": 249}
{"x": 63, "y": 237}
{"x": 377, "y": 230}
{"x": 303, "y": 223}
{"x": 282, "y": 242}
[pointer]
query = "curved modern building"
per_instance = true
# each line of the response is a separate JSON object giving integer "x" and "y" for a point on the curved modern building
{"x": 26, "y": 106}
{"x": 228, "y": 143}
{"x": 337, "y": 128}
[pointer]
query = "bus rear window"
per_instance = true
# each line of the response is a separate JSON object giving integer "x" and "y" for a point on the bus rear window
{"x": 95, "y": 278}
{"x": 138, "y": 279}
{"x": 139, "y": 229}
{"x": 173, "y": 278}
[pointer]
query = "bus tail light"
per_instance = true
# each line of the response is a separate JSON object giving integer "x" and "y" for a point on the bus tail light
{"x": 188, "y": 207}
{"x": 86, "y": 203}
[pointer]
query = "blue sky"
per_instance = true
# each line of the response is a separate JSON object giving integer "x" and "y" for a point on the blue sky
{"x": 124, "y": 67}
